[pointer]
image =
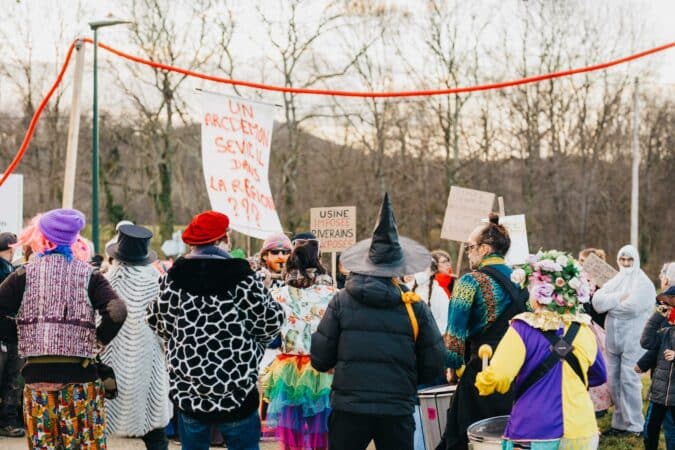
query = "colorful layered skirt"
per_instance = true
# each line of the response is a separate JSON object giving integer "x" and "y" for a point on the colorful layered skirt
{"x": 299, "y": 402}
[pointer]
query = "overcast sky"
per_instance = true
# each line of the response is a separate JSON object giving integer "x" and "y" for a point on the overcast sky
{"x": 41, "y": 19}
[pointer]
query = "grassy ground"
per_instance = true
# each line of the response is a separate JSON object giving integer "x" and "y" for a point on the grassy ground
{"x": 625, "y": 443}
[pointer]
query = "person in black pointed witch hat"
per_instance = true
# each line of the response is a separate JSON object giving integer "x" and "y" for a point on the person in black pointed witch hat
{"x": 381, "y": 341}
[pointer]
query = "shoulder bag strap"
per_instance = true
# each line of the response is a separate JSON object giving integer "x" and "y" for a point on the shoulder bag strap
{"x": 545, "y": 366}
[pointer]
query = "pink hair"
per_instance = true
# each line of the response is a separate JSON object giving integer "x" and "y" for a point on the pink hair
{"x": 32, "y": 237}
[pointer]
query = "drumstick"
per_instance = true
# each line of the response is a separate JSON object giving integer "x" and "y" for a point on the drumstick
{"x": 485, "y": 353}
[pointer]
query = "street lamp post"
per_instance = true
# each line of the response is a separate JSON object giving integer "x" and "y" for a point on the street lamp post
{"x": 94, "y": 132}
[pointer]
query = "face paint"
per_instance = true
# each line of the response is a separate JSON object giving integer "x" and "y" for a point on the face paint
{"x": 276, "y": 260}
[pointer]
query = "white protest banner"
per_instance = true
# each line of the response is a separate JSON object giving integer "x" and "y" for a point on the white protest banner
{"x": 236, "y": 138}
{"x": 598, "y": 270}
{"x": 11, "y": 199}
{"x": 466, "y": 208}
{"x": 517, "y": 229}
{"x": 335, "y": 227}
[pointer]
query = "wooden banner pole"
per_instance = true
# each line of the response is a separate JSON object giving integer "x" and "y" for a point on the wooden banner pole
{"x": 460, "y": 255}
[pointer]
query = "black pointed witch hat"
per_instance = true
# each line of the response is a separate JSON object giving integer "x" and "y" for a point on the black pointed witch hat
{"x": 386, "y": 254}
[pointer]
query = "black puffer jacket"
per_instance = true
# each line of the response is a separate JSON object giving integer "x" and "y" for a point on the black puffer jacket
{"x": 659, "y": 335}
{"x": 7, "y": 324}
{"x": 367, "y": 336}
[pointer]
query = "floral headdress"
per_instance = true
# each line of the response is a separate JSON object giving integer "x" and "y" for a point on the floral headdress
{"x": 555, "y": 279}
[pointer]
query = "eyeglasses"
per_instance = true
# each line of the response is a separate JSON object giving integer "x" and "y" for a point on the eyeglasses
{"x": 470, "y": 247}
{"x": 625, "y": 259}
{"x": 279, "y": 252}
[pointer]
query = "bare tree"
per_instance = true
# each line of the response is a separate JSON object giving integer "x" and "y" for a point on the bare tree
{"x": 299, "y": 62}
{"x": 157, "y": 98}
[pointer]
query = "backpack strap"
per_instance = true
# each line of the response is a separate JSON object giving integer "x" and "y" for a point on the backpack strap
{"x": 561, "y": 349}
{"x": 408, "y": 298}
{"x": 413, "y": 320}
{"x": 518, "y": 295}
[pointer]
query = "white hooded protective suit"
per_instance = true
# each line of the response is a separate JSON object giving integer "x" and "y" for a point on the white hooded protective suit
{"x": 628, "y": 299}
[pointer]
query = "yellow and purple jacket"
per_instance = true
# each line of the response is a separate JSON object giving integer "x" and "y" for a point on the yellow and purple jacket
{"x": 558, "y": 404}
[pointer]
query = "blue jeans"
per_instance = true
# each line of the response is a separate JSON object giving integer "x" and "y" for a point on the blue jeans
{"x": 668, "y": 426}
{"x": 240, "y": 435}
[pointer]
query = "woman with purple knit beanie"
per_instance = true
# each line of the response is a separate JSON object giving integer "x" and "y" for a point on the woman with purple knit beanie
{"x": 54, "y": 300}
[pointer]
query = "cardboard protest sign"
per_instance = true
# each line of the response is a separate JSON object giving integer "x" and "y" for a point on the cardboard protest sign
{"x": 466, "y": 208}
{"x": 598, "y": 270}
{"x": 335, "y": 227}
{"x": 517, "y": 229}
{"x": 236, "y": 138}
{"x": 11, "y": 199}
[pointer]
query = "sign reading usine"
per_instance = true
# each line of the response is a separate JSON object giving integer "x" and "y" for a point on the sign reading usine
{"x": 334, "y": 226}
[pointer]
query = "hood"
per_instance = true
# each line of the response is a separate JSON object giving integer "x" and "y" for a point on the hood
{"x": 630, "y": 251}
{"x": 376, "y": 292}
{"x": 209, "y": 276}
{"x": 421, "y": 280}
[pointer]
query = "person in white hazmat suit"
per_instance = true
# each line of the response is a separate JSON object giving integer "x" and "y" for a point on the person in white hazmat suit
{"x": 628, "y": 299}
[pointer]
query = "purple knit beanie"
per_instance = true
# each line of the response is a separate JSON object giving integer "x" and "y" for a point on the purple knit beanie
{"x": 61, "y": 226}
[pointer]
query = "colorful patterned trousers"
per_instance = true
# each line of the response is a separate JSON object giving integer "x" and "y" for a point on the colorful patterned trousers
{"x": 69, "y": 418}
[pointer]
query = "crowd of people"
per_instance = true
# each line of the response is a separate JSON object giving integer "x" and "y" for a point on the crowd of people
{"x": 220, "y": 347}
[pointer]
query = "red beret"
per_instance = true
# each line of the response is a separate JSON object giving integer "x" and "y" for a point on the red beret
{"x": 205, "y": 228}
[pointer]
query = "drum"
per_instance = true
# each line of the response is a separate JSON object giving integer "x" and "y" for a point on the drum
{"x": 434, "y": 404}
{"x": 487, "y": 434}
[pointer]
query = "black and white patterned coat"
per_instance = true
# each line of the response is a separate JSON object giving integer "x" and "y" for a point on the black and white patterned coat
{"x": 216, "y": 318}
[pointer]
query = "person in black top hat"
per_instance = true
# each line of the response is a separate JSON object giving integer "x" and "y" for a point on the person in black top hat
{"x": 142, "y": 407}
{"x": 10, "y": 363}
{"x": 381, "y": 341}
{"x": 132, "y": 246}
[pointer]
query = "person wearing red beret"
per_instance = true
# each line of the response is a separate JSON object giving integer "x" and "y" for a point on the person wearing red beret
{"x": 215, "y": 317}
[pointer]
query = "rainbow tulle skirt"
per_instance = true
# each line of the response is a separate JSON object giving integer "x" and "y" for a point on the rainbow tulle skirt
{"x": 299, "y": 402}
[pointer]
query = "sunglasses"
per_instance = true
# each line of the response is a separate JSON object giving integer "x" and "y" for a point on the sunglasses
{"x": 279, "y": 252}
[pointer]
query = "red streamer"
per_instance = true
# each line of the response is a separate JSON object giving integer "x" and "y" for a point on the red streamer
{"x": 36, "y": 117}
{"x": 459, "y": 90}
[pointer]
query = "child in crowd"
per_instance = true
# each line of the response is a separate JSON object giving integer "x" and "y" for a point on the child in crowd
{"x": 659, "y": 336}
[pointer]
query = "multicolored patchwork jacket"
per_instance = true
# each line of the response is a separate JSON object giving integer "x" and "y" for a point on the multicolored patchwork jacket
{"x": 477, "y": 300}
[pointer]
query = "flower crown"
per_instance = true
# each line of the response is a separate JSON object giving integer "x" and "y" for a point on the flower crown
{"x": 555, "y": 280}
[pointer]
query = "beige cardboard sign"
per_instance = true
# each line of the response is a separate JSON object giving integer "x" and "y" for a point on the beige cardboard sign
{"x": 334, "y": 226}
{"x": 517, "y": 229}
{"x": 466, "y": 208}
{"x": 598, "y": 270}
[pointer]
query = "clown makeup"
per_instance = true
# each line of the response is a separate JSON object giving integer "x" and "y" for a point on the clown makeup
{"x": 275, "y": 259}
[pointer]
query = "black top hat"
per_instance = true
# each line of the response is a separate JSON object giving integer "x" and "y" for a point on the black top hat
{"x": 386, "y": 254}
{"x": 132, "y": 246}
